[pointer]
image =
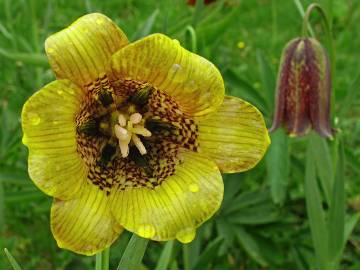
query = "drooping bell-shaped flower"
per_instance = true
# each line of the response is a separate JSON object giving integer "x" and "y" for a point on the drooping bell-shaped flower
{"x": 303, "y": 89}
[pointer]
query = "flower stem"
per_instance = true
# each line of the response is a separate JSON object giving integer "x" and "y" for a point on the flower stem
{"x": 102, "y": 260}
{"x": 185, "y": 249}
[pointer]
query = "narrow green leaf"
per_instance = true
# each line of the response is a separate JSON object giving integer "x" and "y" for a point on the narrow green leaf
{"x": 248, "y": 199}
{"x": 299, "y": 260}
{"x": 350, "y": 224}
{"x": 133, "y": 254}
{"x": 261, "y": 214}
{"x": 209, "y": 253}
{"x": 224, "y": 230}
{"x": 351, "y": 96}
{"x": 267, "y": 77}
{"x": 240, "y": 87}
{"x": 2, "y": 208}
{"x": 277, "y": 172}
{"x": 250, "y": 245}
{"x": 324, "y": 167}
{"x": 27, "y": 58}
{"x": 337, "y": 212}
{"x": 12, "y": 260}
{"x": 199, "y": 6}
{"x": 165, "y": 256}
{"x": 210, "y": 33}
{"x": 315, "y": 212}
{"x": 147, "y": 26}
{"x": 301, "y": 10}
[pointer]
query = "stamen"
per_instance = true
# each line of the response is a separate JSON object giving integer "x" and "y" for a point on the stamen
{"x": 139, "y": 145}
{"x": 125, "y": 131}
{"x": 122, "y": 120}
{"x": 135, "y": 118}
{"x": 141, "y": 131}
{"x": 124, "y": 148}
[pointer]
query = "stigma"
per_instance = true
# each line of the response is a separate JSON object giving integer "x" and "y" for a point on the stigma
{"x": 128, "y": 130}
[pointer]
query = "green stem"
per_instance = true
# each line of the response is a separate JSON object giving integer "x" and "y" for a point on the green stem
{"x": 102, "y": 260}
{"x": 106, "y": 259}
{"x": 186, "y": 260}
{"x": 330, "y": 43}
{"x": 191, "y": 31}
{"x": 328, "y": 32}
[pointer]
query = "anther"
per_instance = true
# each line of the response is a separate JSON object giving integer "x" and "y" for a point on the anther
{"x": 127, "y": 131}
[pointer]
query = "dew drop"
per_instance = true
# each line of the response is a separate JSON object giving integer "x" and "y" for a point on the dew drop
{"x": 146, "y": 231}
{"x": 100, "y": 21}
{"x": 194, "y": 188}
{"x": 34, "y": 119}
{"x": 71, "y": 91}
{"x": 186, "y": 235}
{"x": 60, "y": 92}
{"x": 24, "y": 139}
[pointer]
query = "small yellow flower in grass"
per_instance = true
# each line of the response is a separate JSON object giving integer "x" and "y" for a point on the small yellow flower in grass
{"x": 241, "y": 45}
{"x": 133, "y": 136}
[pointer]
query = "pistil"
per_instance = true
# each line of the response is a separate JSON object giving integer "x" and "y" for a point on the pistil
{"x": 127, "y": 131}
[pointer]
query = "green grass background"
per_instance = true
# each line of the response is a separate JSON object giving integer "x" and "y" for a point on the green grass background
{"x": 263, "y": 222}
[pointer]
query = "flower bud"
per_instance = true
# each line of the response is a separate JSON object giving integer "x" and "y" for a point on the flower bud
{"x": 303, "y": 89}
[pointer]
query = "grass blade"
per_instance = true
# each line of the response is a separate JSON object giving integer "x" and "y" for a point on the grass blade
{"x": 208, "y": 254}
{"x": 315, "y": 212}
{"x": 147, "y": 26}
{"x": 278, "y": 171}
{"x": 12, "y": 260}
{"x": 165, "y": 256}
{"x": 337, "y": 212}
{"x": 133, "y": 253}
{"x": 267, "y": 77}
{"x": 324, "y": 167}
{"x": 250, "y": 245}
{"x": 36, "y": 59}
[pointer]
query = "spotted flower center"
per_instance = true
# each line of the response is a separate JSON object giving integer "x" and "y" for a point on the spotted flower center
{"x": 130, "y": 134}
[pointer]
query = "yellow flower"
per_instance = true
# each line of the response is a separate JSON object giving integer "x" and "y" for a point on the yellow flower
{"x": 133, "y": 136}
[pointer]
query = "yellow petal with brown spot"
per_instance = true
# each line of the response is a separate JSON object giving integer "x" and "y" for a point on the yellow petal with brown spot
{"x": 175, "y": 208}
{"x": 84, "y": 224}
{"x": 49, "y": 132}
{"x": 191, "y": 79}
{"x": 235, "y": 137}
{"x": 82, "y": 51}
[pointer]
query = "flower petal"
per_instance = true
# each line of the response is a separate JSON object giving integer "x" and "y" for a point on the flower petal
{"x": 84, "y": 224}
{"x": 82, "y": 51}
{"x": 175, "y": 208}
{"x": 191, "y": 79}
{"x": 235, "y": 137}
{"x": 49, "y": 132}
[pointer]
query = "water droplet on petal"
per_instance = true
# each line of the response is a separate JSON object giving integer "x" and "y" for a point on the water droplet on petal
{"x": 186, "y": 236}
{"x": 146, "y": 231}
{"x": 25, "y": 139}
{"x": 71, "y": 91}
{"x": 34, "y": 119}
{"x": 100, "y": 21}
{"x": 194, "y": 188}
